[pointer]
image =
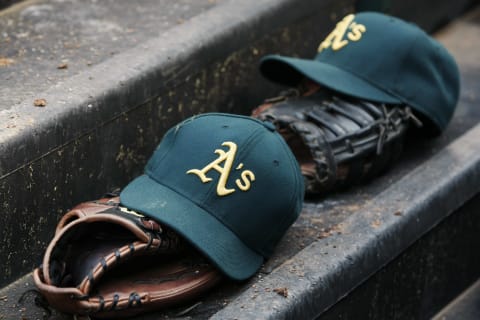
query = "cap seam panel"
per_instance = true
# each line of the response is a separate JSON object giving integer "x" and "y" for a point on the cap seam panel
{"x": 297, "y": 184}
{"x": 369, "y": 81}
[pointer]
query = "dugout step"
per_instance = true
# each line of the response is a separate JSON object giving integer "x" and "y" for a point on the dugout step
{"x": 345, "y": 248}
{"x": 114, "y": 79}
{"x": 466, "y": 306}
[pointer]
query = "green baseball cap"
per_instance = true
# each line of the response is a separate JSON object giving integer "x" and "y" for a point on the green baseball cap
{"x": 227, "y": 183}
{"x": 380, "y": 58}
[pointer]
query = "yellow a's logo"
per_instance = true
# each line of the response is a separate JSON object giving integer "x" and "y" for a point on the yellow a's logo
{"x": 336, "y": 39}
{"x": 226, "y": 157}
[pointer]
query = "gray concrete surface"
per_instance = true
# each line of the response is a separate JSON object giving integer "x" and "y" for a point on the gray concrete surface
{"x": 43, "y": 43}
{"x": 464, "y": 307}
{"x": 99, "y": 126}
{"x": 328, "y": 251}
{"x": 386, "y": 216}
{"x": 339, "y": 241}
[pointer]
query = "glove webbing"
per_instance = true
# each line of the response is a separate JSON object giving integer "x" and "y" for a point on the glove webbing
{"x": 365, "y": 118}
{"x": 346, "y": 138}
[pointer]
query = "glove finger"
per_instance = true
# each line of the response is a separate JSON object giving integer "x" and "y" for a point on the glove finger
{"x": 156, "y": 283}
{"x": 85, "y": 209}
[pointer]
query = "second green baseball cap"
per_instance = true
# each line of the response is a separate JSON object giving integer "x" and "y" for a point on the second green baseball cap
{"x": 227, "y": 183}
{"x": 380, "y": 58}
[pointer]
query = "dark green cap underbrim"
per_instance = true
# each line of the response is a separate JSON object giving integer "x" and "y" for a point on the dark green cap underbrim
{"x": 289, "y": 71}
{"x": 199, "y": 227}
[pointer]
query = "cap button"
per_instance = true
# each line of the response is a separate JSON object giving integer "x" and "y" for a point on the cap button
{"x": 270, "y": 126}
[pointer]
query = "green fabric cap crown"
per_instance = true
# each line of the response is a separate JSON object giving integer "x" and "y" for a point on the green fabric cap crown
{"x": 227, "y": 183}
{"x": 380, "y": 58}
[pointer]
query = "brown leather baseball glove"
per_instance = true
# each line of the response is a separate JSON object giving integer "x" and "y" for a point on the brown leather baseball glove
{"x": 109, "y": 262}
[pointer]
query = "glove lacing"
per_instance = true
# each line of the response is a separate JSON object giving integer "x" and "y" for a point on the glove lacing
{"x": 390, "y": 122}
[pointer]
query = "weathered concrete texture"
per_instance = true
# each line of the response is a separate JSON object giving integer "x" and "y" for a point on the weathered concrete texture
{"x": 465, "y": 307}
{"x": 42, "y": 43}
{"x": 341, "y": 240}
{"x": 435, "y": 178}
{"x": 96, "y": 136}
{"x": 424, "y": 278}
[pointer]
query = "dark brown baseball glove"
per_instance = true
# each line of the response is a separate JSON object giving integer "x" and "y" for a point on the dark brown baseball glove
{"x": 337, "y": 140}
{"x": 109, "y": 262}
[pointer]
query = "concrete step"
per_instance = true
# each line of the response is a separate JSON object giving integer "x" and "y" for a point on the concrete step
{"x": 103, "y": 121}
{"x": 127, "y": 80}
{"x": 466, "y": 306}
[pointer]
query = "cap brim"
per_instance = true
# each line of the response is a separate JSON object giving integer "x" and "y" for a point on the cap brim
{"x": 289, "y": 71}
{"x": 201, "y": 229}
